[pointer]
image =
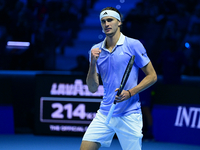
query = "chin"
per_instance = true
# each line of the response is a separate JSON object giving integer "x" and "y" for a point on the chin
{"x": 109, "y": 33}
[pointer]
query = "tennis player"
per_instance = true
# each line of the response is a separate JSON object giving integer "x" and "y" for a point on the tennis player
{"x": 108, "y": 60}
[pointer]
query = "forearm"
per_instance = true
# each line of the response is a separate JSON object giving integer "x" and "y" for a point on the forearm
{"x": 148, "y": 81}
{"x": 92, "y": 79}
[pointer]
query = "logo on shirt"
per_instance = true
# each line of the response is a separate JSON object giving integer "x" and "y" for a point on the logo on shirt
{"x": 105, "y": 13}
{"x": 121, "y": 53}
{"x": 143, "y": 54}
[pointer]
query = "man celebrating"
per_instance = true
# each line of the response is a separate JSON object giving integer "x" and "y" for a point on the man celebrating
{"x": 108, "y": 59}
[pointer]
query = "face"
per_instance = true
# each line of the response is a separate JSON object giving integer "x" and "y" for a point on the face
{"x": 110, "y": 25}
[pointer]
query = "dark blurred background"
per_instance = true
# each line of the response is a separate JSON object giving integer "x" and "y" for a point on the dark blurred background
{"x": 61, "y": 32}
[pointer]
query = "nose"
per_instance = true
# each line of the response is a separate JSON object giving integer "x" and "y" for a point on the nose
{"x": 107, "y": 23}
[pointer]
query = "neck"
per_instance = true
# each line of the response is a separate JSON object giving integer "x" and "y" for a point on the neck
{"x": 111, "y": 41}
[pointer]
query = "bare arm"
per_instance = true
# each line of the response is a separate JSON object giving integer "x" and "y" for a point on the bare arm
{"x": 92, "y": 79}
{"x": 148, "y": 81}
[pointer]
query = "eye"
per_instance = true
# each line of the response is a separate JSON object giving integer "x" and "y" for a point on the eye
{"x": 109, "y": 20}
{"x": 103, "y": 21}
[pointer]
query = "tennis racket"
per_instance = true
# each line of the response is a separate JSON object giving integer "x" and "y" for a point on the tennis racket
{"x": 123, "y": 82}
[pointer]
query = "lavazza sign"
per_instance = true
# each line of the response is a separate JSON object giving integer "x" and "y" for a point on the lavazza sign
{"x": 78, "y": 88}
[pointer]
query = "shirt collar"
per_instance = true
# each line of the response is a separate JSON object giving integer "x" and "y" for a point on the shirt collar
{"x": 119, "y": 42}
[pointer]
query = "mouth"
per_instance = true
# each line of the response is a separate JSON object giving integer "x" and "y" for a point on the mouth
{"x": 107, "y": 29}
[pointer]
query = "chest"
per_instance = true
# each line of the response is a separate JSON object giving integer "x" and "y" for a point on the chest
{"x": 113, "y": 62}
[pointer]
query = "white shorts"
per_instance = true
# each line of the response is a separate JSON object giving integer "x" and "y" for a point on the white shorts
{"x": 127, "y": 128}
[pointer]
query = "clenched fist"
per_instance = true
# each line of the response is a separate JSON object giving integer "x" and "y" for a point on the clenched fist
{"x": 95, "y": 52}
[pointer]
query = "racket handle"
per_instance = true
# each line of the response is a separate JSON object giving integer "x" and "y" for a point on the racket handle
{"x": 110, "y": 113}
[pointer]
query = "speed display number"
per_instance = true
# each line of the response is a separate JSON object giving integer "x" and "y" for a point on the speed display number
{"x": 68, "y": 110}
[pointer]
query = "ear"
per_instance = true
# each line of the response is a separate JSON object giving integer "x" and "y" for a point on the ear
{"x": 119, "y": 23}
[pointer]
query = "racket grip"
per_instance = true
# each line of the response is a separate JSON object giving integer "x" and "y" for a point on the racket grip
{"x": 110, "y": 113}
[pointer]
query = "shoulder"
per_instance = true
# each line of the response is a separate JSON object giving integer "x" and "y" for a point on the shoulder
{"x": 132, "y": 41}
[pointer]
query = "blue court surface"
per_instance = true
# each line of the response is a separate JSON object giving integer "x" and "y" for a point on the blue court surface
{"x": 35, "y": 142}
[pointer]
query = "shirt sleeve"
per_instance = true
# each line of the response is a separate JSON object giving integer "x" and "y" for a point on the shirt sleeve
{"x": 141, "y": 58}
